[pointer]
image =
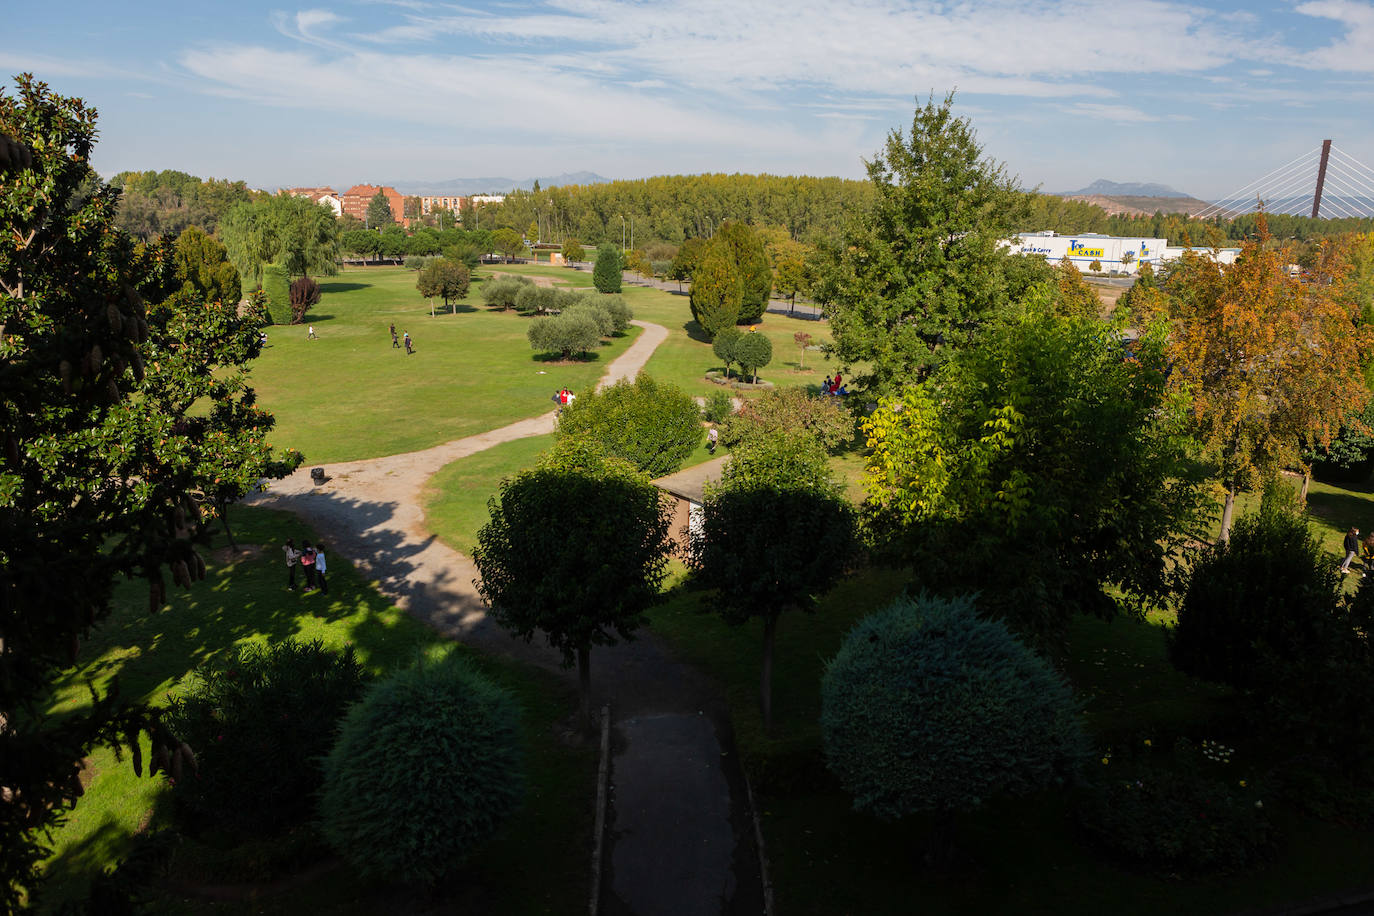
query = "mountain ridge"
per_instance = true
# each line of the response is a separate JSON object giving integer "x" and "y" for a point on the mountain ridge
{"x": 465, "y": 187}
{"x": 1104, "y": 188}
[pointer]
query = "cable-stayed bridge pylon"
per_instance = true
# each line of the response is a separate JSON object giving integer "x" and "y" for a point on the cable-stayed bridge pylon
{"x": 1323, "y": 182}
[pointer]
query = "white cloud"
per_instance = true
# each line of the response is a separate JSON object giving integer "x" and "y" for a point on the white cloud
{"x": 1354, "y": 51}
{"x": 1121, "y": 114}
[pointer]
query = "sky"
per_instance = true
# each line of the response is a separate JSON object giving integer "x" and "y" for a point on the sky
{"x": 1204, "y": 97}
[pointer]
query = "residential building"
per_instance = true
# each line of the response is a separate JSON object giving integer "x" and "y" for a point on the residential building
{"x": 356, "y": 199}
{"x": 430, "y": 203}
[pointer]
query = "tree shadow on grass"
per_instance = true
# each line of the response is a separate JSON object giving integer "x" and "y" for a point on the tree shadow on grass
{"x": 557, "y": 359}
{"x": 341, "y": 286}
{"x": 696, "y": 331}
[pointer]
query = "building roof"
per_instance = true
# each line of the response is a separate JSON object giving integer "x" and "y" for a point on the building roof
{"x": 691, "y": 483}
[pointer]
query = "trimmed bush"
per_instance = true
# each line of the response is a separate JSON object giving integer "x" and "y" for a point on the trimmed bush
{"x": 427, "y": 766}
{"x": 304, "y": 294}
{"x": 928, "y": 707}
{"x": 276, "y": 283}
{"x": 259, "y": 722}
{"x": 753, "y": 352}
{"x": 606, "y": 274}
{"x": 565, "y": 335}
{"x": 653, "y": 425}
{"x": 605, "y": 324}
{"x": 719, "y": 407}
{"x": 1263, "y": 599}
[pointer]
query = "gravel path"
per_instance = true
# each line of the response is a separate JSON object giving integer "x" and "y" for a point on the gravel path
{"x": 669, "y": 786}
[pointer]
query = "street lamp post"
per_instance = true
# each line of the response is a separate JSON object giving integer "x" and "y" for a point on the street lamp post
{"x": 622, "y": 232}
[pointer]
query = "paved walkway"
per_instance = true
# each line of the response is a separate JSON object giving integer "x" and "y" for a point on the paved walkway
{"x": 670, "y": 790}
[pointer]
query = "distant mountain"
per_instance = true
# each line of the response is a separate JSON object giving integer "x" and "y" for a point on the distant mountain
{"x": 1104, "y": 188}
{"x": 1132, "y": 205}
{"x": 465, "y": 186}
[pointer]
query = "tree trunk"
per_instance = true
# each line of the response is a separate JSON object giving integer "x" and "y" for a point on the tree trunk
{"x": 770, "y": 629}
{"x": 801, "y": 361}
{"x": 431, "y": 306}
{"x": 1226, "y": 511}
{"x": 584, "y": 685}
{"x": 224, "y": 520}
{"x": 1306, "y": 481}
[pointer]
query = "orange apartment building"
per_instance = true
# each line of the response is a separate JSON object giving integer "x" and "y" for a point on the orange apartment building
{"x": 356, "y": 199}
{"x": 451, "y": 203}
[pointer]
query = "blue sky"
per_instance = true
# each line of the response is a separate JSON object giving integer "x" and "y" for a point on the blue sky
{"x": 1204, "y": 97}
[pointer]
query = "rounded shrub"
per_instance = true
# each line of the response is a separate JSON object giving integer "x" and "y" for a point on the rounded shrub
{"x": 259, "y": 722}
{"x": 1261, "y": 602}
{"x": 928, "y": 707}
{"x": 653, "y": 425}
{"x": 426, "y": 767}
{"x": 719, "y": 407}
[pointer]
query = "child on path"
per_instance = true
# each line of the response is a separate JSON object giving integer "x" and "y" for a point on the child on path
{"x": 319, "y": 569}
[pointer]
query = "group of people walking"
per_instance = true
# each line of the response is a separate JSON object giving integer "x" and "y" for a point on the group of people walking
{"x": 396, "y": 342}
{"x": 1355, "y": 547}
{"x": 311, "y": 560}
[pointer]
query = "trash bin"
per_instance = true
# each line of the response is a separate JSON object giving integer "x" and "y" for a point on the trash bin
{"x": 317, "y": 475}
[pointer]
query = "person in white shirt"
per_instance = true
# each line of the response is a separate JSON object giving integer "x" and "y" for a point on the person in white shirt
{"x": 319, "y": 570}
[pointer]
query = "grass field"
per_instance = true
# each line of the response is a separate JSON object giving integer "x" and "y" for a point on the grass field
{"x": 243, "y": 598}
{"x": 349, "y": 395}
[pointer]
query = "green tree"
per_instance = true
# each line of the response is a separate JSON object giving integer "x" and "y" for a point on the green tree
{"x": 509, "y": 242}
{"x": 653, "y": 425}
{"x": 532, "y": 558}
{"x": 793, "y": 409}
{"x": 753, "y": 271}
{"x": 567, "y": 334}
{"x": 717, "y": 293}
{"x": 723, "y": 347}
{"x": 114, "y": 410}
{"x": 685, "y": 261}
{"x": 790, "y": 260}
{"x": 204, "y": 269}
{"x": 573, "y": 252}
{"x": 1073, "y": 296}
{"x": 379, "y": 214}
{"x": 362, "y": 243}
{"x": 444, "y": 278}
{"x": 753, "y": 352}
{"x": 276, "y": 286}
{"x": 776, "y": 533}
{"x": 922, "y": 271}
{"x": 606, "y": 274}
{"x": 1038, "y": 467}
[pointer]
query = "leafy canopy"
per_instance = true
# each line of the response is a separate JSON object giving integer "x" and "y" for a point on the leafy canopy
{"x": 653, "y": 425}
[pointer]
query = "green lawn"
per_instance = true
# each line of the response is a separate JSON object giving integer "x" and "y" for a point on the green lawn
{"x": 685, "y": 357}
{"x": 1022, "y": 856}
{"x": 349, "y": 395}
{"x": 243, "y": 598}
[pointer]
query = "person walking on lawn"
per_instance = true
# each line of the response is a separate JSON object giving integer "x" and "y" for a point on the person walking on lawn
{"x": 1352, "y": 548}
{"x": 395, "y": 341}
{"x": 319, "y": 569}
{"x": 410, "y": 348}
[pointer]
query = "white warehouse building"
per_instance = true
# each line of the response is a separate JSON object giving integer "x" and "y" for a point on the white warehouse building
{"x": 1111, "y": 252}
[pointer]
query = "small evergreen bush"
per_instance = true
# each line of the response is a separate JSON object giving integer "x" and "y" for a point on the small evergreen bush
{"x": 426, "y": 767}
{"x": 724, "y": 344}
{"x": 259, "y": 721}
{"x": 928, "y": 707}
{"x": 653, "y": 425}
{"x": 606, "y": 274}
{"x": 719, "y": 407}
{"x": 1264, "y": 599}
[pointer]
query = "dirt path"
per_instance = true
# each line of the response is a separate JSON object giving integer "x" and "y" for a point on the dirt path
{"x": 670, "y": 789}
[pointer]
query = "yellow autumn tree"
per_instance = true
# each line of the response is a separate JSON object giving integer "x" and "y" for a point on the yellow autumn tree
{"x": 1271, "y": 357}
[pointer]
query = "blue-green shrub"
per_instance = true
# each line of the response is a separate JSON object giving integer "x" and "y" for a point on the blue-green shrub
{"x": 259, "y": 721}
{"x": 426, "y": 767}
{"x": 928, "y": 707}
